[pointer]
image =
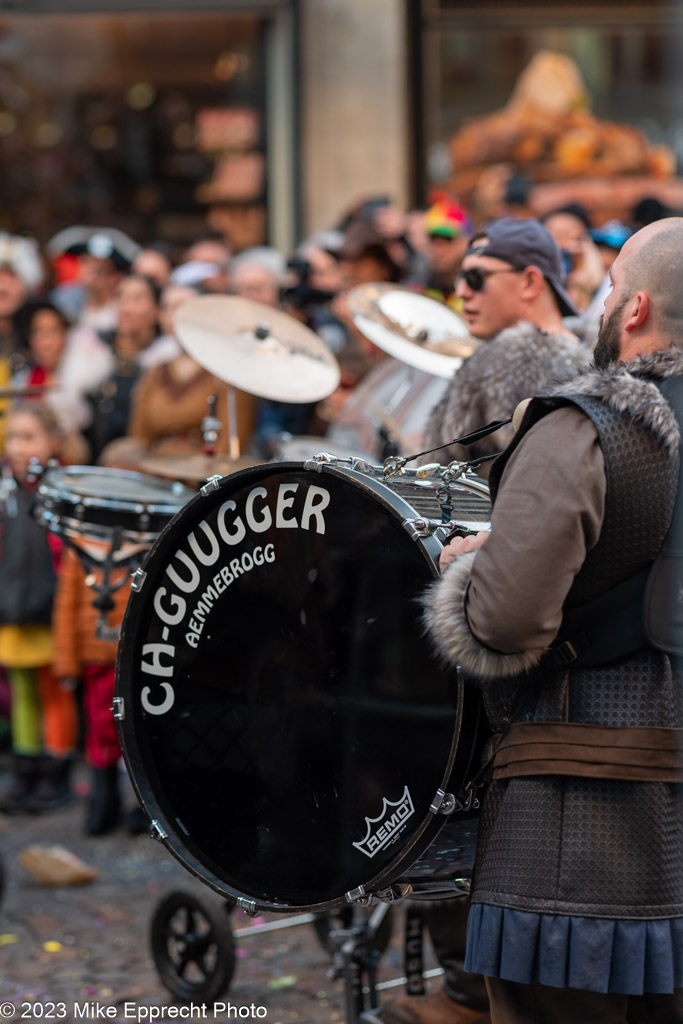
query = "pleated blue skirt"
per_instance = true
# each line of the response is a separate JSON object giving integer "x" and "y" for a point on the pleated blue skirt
{"x": 629, "y": 957}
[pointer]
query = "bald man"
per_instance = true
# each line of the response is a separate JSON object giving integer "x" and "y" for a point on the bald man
{"x": 567, "y": 617}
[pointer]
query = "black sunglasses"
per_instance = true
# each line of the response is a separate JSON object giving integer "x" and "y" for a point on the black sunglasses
{"x": 475, "y": 279}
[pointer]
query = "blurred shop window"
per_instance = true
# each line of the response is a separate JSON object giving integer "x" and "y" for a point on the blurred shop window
{"x": 631, "y": 67}
{"x": 154, "y": 123}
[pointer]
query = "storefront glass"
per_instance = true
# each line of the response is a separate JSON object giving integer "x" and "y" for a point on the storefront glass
{"x": 154, "y": 123}
{"x": 629, "y": 57}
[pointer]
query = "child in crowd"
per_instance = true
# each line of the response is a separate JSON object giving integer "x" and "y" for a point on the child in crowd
{"x": 43, "y": 713}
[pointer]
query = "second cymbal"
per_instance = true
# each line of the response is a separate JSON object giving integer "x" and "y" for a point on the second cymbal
{"x": 411, "y": 327}
{"x": 256, "y": 348}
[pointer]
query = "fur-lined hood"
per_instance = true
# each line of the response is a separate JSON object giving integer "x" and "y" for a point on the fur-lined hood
{"x": 520, "y": 361}
{"x": 621, "y": 386}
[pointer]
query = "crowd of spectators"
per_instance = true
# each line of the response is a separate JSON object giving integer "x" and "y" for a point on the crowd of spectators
{"x": 87, "y": 342}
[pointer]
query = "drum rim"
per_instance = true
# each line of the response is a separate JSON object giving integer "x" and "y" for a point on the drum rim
{"x": 409, "y": 477}
{"x": 55, "y": 489}
{"x": 166, "y": 830}
{"x": 79, "y": 529}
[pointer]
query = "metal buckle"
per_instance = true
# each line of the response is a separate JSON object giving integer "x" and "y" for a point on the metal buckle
{"x": 566, "y": 652}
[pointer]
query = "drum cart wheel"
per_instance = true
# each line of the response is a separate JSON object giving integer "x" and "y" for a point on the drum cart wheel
{"x": 193, "y": 947}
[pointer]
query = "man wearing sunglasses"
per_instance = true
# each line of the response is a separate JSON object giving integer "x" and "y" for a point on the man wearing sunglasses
{"x": 513, "y": 297}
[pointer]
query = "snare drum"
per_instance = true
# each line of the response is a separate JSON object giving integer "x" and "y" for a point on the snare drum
{"x": 91, "y": 506}
{"x": 285, "y": 722}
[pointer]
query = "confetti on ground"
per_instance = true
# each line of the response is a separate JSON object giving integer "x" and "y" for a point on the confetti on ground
{"x": 52, "y": 946}
{"x": 286, "y": 981}
{"x": 8, "y": 940}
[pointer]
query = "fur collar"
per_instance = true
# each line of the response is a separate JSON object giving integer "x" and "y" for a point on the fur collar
{"x": 524, "y": 333}
{"x": 625, "y": 388}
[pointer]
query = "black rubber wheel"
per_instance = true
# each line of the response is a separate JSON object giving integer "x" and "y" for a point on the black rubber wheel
{"x": 342, "y": 919}
{"x": 193, "y": 947}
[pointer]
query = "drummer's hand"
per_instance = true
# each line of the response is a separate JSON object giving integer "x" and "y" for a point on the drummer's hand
{"x": 460, "y": 546}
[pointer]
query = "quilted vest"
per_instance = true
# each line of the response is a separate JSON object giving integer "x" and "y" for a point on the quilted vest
{"x": 572, "y": 826}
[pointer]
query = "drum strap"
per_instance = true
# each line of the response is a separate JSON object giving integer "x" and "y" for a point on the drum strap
{"x": 633, "y": 753}
{"x": 606, "y": 629}
{"x": 466, "y": 439}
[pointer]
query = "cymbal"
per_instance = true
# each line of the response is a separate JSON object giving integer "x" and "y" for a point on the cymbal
{"x": 194, "y": 467}
{"x": 257, "y": 348}
{"x": 411, "y": 327}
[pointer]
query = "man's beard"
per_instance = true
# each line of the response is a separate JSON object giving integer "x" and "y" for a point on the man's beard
{"x": 608, "y": 347}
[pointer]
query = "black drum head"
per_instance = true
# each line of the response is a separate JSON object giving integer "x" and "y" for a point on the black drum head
{"x": 285, "y": 719}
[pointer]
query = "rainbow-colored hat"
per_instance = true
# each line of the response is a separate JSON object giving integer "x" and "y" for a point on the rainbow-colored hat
{"x": 448, "y": 219}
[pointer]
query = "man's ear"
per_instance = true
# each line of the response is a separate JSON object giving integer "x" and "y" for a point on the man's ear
{"x": 638, "y": 311}
{"x": 533, "y": 282}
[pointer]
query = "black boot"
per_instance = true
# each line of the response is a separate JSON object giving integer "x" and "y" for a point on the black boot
{"x": 25, "y": 774}
{"x": 104, "y": 806}
{"x": 54, "y": 785}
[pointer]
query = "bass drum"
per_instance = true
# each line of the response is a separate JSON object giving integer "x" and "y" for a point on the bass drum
{"x": 286, "y": 725}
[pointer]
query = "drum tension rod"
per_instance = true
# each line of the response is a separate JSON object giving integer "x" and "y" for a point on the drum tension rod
{"x": 421, "y": 527}
{"x": 443, "y": 803}
{"x": 137, "y": 580}
{"x": 447, "y": 803}
{"x": 391, "y": 894}
{"x": 359, "y": 896}
{"x": 157, "y": 830}
{"x": 211, "y": 484}
{"x": 118, "y": 709}
{"x": 320, "y": 459}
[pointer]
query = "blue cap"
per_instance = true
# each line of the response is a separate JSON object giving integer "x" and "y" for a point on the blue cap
{"x": 612, "y": 234}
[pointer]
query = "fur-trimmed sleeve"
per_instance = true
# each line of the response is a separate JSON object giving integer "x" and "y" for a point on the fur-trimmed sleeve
{"x": 495, "y": 612}
{"x": 446, "y": 620}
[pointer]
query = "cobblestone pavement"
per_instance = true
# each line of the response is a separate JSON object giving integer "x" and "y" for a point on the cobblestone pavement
{"x": 88, "y": 947}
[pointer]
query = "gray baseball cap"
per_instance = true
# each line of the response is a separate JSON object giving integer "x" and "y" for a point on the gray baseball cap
{"x": 525, "y": 243}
